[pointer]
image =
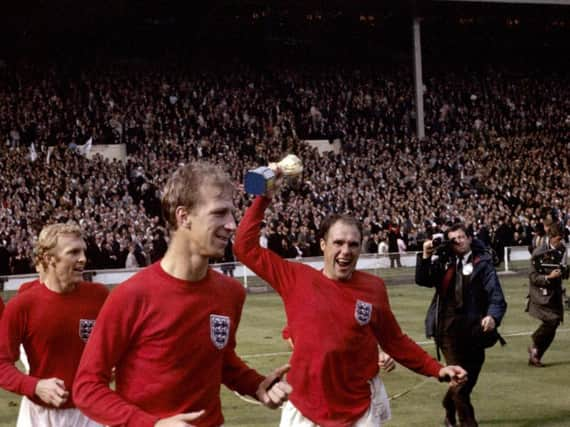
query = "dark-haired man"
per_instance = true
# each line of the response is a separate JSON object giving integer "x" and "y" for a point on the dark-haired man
{"x": 337, "y": 316}
{"x": 545, "y": 293}
{"x": 469, "y": 306}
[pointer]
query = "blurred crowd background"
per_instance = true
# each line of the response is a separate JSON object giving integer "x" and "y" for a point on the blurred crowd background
{"x": 495, "y": 156}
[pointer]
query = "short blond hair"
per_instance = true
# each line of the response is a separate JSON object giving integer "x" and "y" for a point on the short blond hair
{"x": 183, "y": 187}
{"x": 47, "y": 240}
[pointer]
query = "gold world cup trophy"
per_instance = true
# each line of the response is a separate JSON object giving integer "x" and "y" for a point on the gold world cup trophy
{"x": 262, "y": 179}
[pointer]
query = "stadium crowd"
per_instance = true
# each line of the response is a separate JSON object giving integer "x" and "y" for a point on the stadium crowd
{"x": 496, "y": 154}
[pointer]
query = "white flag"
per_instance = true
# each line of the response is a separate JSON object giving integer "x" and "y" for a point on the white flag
{"x": 85, "y": 149}
{"x": 33, "y": 153}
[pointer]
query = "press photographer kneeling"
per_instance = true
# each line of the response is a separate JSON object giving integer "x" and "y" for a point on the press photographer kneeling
{"x": 548, "y": 268}
{"x": 466, "y": 309}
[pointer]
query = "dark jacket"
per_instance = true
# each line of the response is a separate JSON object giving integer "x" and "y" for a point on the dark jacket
{"x": 545, "y": 297}
{"x": 481, "y": 297}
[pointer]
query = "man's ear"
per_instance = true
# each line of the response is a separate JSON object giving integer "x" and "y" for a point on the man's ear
{"x": 323, "y": 244}
{"x": 182, "y": 217}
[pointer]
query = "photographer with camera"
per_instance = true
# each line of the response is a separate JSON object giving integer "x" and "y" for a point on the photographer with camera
{"x": 548, "y": 269}
{"x": 467, "y": 307}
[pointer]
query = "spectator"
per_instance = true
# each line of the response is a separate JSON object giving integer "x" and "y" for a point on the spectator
{"x": 131, "y": 261}
{"x": 227, "y": 119}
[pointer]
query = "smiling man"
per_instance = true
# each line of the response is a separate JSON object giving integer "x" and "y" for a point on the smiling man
{"x": 53, "y": 320}
{"x": 336, "y": 317}
{"x": 170, "y": 330}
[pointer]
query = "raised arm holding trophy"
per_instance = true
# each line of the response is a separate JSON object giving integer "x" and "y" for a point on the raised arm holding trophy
{"x": 260, "y": 180}
{"x": 337, "y": 317}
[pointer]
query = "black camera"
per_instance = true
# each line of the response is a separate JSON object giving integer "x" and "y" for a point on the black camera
{"x": 548, "y": 261}
{"x": 441, "y": 247}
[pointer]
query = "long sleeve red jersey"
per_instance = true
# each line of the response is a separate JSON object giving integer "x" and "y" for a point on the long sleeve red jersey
{"x": 173, "y": 344}
{"x": 53, "y": 328}
{"x": 336, "y": 327}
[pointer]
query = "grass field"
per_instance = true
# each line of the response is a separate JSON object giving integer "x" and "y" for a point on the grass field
{"x": 509, "y": 393}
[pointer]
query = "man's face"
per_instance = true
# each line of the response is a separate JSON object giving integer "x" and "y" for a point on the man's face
{"x": 461, "y": 243}
{"x": 556, "y": 242}
{"x": 212, "y": 222}
{"x": 67, "y": 260}
{"x": 341, "y": 250}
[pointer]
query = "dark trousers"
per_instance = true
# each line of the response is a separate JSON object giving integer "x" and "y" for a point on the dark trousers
{"x": 395, "y": 260}
{"x": 544, "y": 335}
{"x": 458, "y": 398}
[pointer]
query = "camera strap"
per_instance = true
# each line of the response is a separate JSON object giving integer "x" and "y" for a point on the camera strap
{"x": 446, "y": 281}
{"x": 459, "y": 284}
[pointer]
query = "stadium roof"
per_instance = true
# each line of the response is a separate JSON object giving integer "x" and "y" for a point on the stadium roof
{"x": 53, "y": 11}
{"x": 535, "y": 2}
{"x": 30, "y": 20}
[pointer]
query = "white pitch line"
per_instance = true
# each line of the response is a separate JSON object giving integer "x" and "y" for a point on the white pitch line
{"x": 255, "y": 356}
{"x": 521, "y": 334}
{"x": 423, "y": 343}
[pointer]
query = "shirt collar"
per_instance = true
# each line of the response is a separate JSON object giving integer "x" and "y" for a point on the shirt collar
{"x": 464, "y": 258}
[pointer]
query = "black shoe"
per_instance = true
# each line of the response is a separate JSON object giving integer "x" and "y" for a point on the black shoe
{"x": 448, "y": 423}
{"x": 533, "y": 359}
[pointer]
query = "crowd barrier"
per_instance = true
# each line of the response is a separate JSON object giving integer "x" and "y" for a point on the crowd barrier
{"x": 514, "y": 259}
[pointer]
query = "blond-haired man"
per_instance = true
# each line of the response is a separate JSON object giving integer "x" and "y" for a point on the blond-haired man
{"x": 53, "y": 320}
{"x": 170, "y": 330}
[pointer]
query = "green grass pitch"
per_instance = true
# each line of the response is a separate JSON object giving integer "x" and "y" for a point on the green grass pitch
{"x": 509, "y": 393}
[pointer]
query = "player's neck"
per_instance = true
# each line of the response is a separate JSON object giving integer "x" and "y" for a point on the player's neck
{"x": 55, "y": 285}
{"x": 180, "y": 262}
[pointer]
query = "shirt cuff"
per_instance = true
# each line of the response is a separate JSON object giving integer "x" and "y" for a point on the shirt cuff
{"x": 29, "y": 386}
